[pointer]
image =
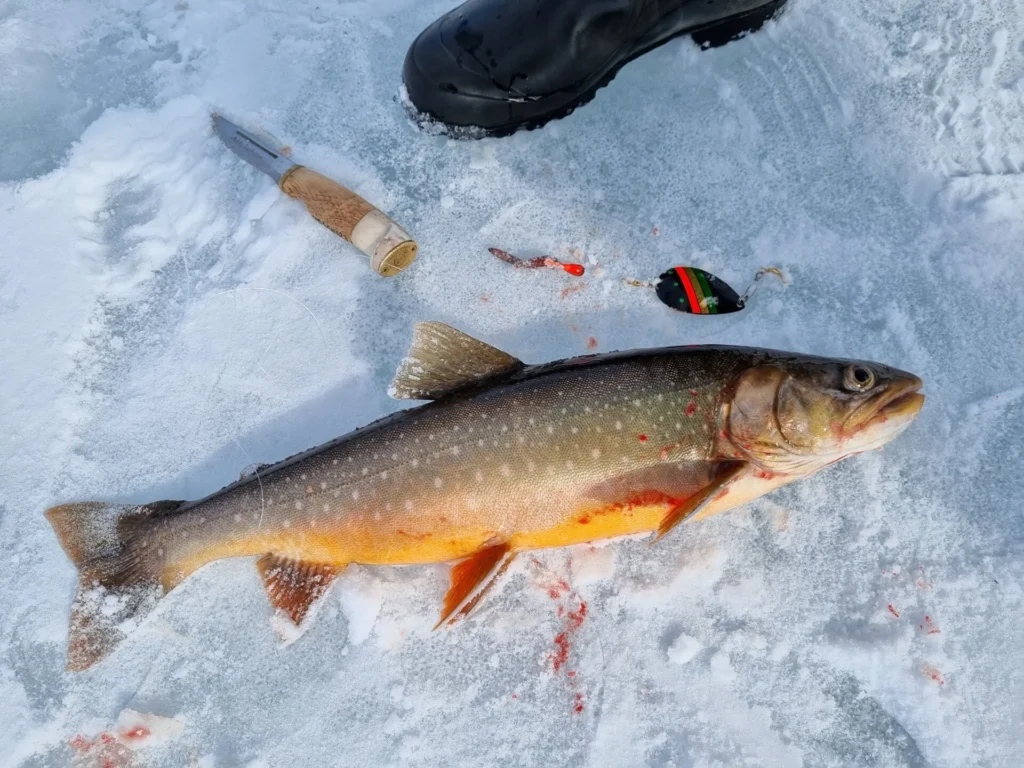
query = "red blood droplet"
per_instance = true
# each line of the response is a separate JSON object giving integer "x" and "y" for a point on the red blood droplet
{"x": 592, "y": 343}
{"x": 561, "y": 654}
{"x": 655, "y": 231}
{"x": 893, "y": 611}
{"x": 576, "y": 270}
{"x": 138, "y": 733}
{"x": 578, "y": 703}
{"x": 691, "y": 409}
{"x": 80, "y": 743}
{"x": 515, "y": 695}
{"x": 642, "y": 438}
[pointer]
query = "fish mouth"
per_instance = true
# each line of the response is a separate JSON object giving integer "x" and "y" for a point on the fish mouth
{"x": 899, "y": 404}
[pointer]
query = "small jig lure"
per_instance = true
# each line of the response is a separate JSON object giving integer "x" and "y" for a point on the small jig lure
{"x": 576, "y": 270}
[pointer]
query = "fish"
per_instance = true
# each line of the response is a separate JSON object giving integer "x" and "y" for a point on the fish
{"x": 504, "y": 458}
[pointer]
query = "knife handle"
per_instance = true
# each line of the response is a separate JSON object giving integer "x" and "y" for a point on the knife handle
{"x": 347, "y": 214}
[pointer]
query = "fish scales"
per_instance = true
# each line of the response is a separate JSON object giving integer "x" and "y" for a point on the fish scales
{"x": 497, "y": 462}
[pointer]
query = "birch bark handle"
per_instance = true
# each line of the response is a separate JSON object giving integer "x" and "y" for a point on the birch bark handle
{"x": 347, "y": 214}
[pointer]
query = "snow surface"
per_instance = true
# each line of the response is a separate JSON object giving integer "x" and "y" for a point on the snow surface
{"x": 170, "y": 318}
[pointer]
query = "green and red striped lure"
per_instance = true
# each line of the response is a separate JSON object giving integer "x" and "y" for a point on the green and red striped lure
{"x": 693, "y": 290}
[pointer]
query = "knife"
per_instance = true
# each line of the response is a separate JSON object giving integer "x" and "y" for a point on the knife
{"x": 339, "y": 209}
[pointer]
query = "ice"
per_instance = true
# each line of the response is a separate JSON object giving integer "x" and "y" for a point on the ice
{"x": 170, "y": 318}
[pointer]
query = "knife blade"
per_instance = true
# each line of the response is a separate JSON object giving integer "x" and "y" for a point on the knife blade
{"x": 338, "y": 208}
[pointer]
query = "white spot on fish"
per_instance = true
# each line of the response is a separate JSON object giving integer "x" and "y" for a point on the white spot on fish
{"x": 456, "y": 450}
{"x": 303, "y": 476}
{"x": 323, "y": 486}
{"x": 160, "y": 551}
{"x": 505, "y": 470}
{"x": 335, "y": 462}
{"x": 327, "y": 507}
{"x": 504, "y": 428}
{"x": 618, "y": 425}
{"x": 438, "y": 482}
{"x": 415, "y": 462}
{"x": 287, "y": 523}
{"x": 479, "y": 476}
{"x": 394, "y": 457}
{"x": 551, "y": 429}
{"x": 596, "y": 453}
{"x": 637, "y": 403}
{"x": 376, "y": 515}
{"x": 408, "y": 504}
{"x": 384, "y": 475}
{"x": 298, "y": 505}
{"x": 238, "y": 518}
{"x": 531, "y": 422}
{"x": 530, "y": 466}
{"x": 679, "y": 425}
{"x": 355, "y": 495}
{"x": 366, "y": 470}
{"x": 337, "y": 492}
{"x": 569, "y": 465}
{"x": 479, "y": 443}
{"x": 586, "y": 409}
{"x": 574, "y": 430}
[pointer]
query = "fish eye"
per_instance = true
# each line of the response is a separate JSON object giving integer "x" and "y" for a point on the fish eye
{"x": 858, "y": 378}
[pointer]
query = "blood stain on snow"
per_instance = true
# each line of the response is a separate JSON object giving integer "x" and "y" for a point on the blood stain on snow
{"x": 931, "y": 672}
{"x": 921, "y": 582}
{"x": 592, "y": 342}
{"x": 578, "y": 704}
{"x": 893, "y": 611}
{"x": 567, "y": 292}
{"x": 929, "y": 626}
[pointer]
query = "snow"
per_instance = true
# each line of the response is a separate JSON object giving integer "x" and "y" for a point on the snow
{"x": 170, "y": 318}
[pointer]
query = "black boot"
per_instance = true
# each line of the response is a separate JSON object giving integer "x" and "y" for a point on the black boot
{"x": 502, "y": 65}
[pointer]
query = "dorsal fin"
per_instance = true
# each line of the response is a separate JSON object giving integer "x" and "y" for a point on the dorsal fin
{"x": 294, "y": 585}
{"x": 443, "y": 359}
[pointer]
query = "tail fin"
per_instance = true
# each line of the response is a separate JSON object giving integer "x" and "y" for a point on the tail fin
{"x": 119, "y": 570}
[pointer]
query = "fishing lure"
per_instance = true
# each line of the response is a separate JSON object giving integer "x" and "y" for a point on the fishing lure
{"x": 576, "y": 270}
{"x": 698, "y": 292}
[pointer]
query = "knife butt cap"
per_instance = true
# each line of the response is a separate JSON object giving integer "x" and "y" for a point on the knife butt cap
{"x": 396, "y": 260}
{"x": 389, "y": 246}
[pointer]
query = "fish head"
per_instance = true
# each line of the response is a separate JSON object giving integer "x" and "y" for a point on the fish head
{"x": 796, "y": 415}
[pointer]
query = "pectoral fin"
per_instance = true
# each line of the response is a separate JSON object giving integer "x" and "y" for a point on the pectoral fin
{"x": 294, "y": 585}
{"x": 472, "y": 578}
{"x": 725, "y": 474}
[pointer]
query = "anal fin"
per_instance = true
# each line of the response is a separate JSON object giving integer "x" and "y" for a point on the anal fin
{"x": 723, "y": 477}
{"x": 294, "y": 585}
{"x": 472, "y": 578}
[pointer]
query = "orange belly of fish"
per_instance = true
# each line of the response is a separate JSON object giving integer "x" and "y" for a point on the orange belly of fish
{"x": 435, "y": 539}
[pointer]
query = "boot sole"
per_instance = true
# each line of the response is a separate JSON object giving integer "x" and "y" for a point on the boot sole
{"x": 707, "y": 36}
